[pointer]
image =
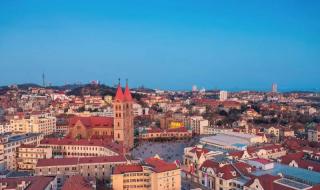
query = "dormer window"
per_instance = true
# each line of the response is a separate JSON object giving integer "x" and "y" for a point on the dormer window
{"x": 234, "y": 173}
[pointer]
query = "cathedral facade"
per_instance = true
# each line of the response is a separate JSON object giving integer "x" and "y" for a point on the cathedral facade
{"x": 120, "y": 127}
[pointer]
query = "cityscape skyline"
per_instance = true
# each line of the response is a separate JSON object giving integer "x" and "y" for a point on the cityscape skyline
{"x": 160, "y": 95}
{"x": 167, "y": 45}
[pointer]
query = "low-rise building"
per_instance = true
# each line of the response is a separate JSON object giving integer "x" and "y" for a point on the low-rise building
{"x": 96, "y": 167}
{"x": 193, "y": 157}
{"x": 82, "y": 147}
{"x": 286, "y": 132}
{"x": 232, "y": 140}
{"x": 157, "y": 133}
{"x": 29, "y": 183}
{"x": 268, "y": 182}
{"x": 265, "y": 152}
{"x": 261, "y": 163}
{"x": 300, "y": 160}
{"x": 314, "y": 134}
{"x": 223, "y": 176}
{"x": 272, "y": 130}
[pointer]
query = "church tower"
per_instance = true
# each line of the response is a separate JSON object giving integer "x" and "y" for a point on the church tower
{"x": 123, "y": 117}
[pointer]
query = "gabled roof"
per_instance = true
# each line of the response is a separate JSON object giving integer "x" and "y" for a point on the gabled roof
{"x": 159, "y": 165}
{"x": 121, "y": 169}
{"x": 227, "y": 170}
{"x": 93, "y": 121}
{"x": 266, "y": 181}
{"x": 302, "y": 163}
{"x": 238, "y": 154}
{"x": 77, "y": 182}
{"x": 36, "y": 182}
{"x": 199, "y": 151}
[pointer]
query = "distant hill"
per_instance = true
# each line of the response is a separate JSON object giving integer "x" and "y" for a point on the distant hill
{"x": 67, "y": 87}
{"x": 93, "y": 90}
{"x": 25, "y": 86}
{"x": 143, "y": 89}
{"x": 97, "y": 90}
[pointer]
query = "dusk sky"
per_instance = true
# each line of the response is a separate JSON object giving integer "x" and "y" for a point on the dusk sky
{"x": 166, "y": 44}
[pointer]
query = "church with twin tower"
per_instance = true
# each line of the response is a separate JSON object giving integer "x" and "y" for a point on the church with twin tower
{"x": 123, "y": 117}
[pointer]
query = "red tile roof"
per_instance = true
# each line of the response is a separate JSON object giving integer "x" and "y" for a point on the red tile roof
{"x": 238, "y": 154}
{"x": 28, "y": 146}
{"x": 37, "y": 182}
{"x": 160, "y": 165}
{"x": 80, "y": 160}
{"x": 199, "y": 151}
{"x": 57, "y": 162}
{"x": 266, "y": 181}
{"x": 293, "y": 156}
{"x": 299, "y": 159}
{"x": 261, "y": 160}
{"x": 121, "y": 169}
{"x": 227, "y": 170}
{"x": 77, "y": 182}
{"x": 265, "y": 147}
{"x": 93, "y": 121}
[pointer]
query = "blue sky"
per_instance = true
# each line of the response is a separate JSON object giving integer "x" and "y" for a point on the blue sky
{"x": 167, "y": 44}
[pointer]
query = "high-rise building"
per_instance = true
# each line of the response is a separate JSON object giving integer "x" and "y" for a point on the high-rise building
{"x": 36, "y": 123}
{"x": 274, "y": 88}
{"x": 123, "y": 117}
{"x": 223, "y": 95}
{"x": 194, "y": 88}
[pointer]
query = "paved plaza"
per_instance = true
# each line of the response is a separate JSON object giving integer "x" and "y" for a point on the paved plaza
{"x": 169, "y": 151}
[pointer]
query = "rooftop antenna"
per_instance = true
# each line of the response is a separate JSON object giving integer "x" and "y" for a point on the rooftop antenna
{"x": 43, "y": 80}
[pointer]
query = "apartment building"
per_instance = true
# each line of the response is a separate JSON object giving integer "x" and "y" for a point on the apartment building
{"x": 5, "y": 127}
{"x": 197, "y": 123}
{"x": 28, "y": 156}
{"x": 35, "y": 123}
{"x": 153, "y": 173}
{"x": 9, "y": 145}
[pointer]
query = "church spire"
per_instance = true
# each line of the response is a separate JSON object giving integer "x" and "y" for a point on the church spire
{"x": 127, "y": 93}
{"x": 119, "y": 93}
